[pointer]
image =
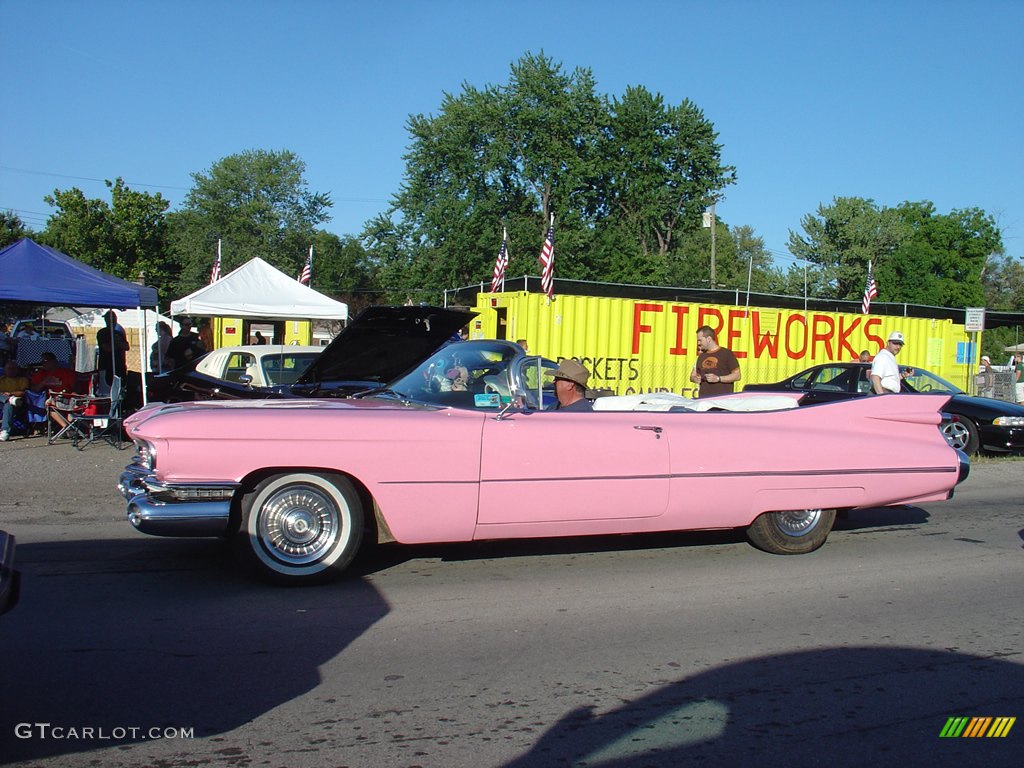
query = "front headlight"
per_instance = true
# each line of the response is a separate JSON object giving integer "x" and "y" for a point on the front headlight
{"x": 145, "y": 454}
{"x": 1009, "y": 421}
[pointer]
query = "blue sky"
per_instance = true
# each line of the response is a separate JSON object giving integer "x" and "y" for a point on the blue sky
{"x": 892, "y": 101}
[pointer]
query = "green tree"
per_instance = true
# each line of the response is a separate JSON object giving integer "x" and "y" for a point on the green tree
{"x": 126, "y": 238}
{"x": 663, "y": 164}
{"x": 952, "y": 251}
{"x": 1003, "y": 283}
{"x": 257, "y": 203}
{"x": 546, "y": 143}
{"x": 918, "y": 256}
{"x": 12, "y": 229}
{"x": 840, "y": 241}
{"x": 342, "y": 270}
{"x": 80, "y": 227}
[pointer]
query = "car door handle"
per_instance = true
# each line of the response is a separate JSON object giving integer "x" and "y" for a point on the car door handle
{"x": 655, "y": 430}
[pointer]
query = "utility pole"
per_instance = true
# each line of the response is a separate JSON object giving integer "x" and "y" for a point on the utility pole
{"x": 714, "y": 221}
{"x": 709, "y": 221}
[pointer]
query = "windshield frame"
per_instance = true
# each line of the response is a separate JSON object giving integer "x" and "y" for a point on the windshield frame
{"x": 478, "y": 375}
{"x": 911, "y": 373}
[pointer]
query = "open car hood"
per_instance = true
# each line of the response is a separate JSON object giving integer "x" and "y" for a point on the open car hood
{"x": 381, "y": 343}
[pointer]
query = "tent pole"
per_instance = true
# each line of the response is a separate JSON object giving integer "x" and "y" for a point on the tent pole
{"x": 143, "y": 357}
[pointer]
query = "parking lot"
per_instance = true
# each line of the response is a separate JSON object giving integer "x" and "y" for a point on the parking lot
{"x": 669, "y": 649}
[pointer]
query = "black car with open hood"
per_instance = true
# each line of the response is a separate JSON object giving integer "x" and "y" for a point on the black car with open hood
{"x": 376, "y": 347}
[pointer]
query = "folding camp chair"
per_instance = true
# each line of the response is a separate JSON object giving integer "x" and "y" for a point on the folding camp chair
{"x": 60, "y": 411}
{"x": 101, "y": 422}
{"x": 61, "y": 407}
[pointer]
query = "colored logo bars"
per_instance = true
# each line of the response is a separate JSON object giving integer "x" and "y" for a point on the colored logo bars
{"x": 977, "y": 727}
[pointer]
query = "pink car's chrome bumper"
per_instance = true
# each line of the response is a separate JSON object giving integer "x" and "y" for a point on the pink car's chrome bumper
{"x": 175, "y": 510}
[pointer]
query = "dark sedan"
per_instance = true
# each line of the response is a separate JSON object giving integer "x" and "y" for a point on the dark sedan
{"x": 977, "y": 422}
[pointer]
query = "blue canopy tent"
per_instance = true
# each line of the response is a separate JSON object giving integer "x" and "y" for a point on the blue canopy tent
{"x": 35, "y": 274}
{"x": 31, "y": 273}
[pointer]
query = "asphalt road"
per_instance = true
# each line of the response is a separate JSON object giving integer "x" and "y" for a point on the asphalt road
{"x": 682, "y": 649}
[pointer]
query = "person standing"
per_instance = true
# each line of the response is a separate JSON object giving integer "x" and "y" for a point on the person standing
{"x": 206, "y": 334}
{"x": 986, "y": 380}
{"x": 186, "y": 346}
{"x": 158, "y": 359}
{"x": 113, "y": 345}
{"x": 885, "y": 371}
{"x": 717, "y": 368}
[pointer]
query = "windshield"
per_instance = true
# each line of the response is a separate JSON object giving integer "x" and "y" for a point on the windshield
{"x": 925, "y": 381}
{"x": 468, "y": 374}
{"x": 287, "y": 367}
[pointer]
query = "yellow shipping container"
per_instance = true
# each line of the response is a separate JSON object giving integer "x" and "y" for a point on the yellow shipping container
{"x": 634, "y": 345}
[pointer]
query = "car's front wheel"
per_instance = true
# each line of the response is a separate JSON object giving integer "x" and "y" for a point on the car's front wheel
{"x": 300, "y": 528}
{"x": 791, "y": 533}
{"x": 962, "y": 434}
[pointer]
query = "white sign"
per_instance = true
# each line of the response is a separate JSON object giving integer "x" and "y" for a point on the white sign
{"x": 975, "y": 319}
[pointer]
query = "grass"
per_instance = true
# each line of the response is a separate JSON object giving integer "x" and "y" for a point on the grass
{"x": 994, "y": 458}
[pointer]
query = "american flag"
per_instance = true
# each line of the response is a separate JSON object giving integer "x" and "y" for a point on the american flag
{"x": 307, "y": 271}
{"x": 870, "y": 291}
{"x": 547, "y": 261}
{"x": 498, "y": 280}
{"x": 215, "y": 272}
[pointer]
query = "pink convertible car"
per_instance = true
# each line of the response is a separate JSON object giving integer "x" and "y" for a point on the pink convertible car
{"x": 299, "y": 484}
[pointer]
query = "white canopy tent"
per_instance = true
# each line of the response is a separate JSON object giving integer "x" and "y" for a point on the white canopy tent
{"x": 258, "y": 290}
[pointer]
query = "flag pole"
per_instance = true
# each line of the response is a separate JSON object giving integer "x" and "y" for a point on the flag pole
{"x": 504, "y": 241}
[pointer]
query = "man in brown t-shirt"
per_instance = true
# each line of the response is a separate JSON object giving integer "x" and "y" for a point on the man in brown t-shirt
{"x": 717, "y": 368}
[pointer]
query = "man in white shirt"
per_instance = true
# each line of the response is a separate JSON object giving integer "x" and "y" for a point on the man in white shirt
{"x": 885, "y": 372}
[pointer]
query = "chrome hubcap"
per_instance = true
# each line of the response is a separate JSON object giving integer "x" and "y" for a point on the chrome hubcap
{"x": 956, "y": 435}
{"x": 797, "y": 523}
{"x": 299, "y": 524}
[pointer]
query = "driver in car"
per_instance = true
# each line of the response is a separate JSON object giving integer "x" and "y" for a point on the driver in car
{"x": 571, "y": 386}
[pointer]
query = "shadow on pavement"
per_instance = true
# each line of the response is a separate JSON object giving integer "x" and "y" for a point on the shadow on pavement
{"x": 114, "y": 634}
{"x": 836, "y": 707}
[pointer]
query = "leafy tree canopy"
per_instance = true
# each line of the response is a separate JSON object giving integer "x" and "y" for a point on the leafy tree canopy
{"x": 625, "y": 180}
{"x": 918, "y": 256}
{"x": 12, "y": 229}
{"x": 126, "y": 237}
{"x": 255, "y": 202}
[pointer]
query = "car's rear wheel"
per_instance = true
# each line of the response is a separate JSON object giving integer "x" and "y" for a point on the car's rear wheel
{"x": 794, "y": 532}
{"x": 962, "y": 434}
{"x": 300, "y": 528}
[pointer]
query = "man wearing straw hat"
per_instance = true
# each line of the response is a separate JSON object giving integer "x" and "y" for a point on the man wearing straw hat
{"x": 571, "y": 386}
